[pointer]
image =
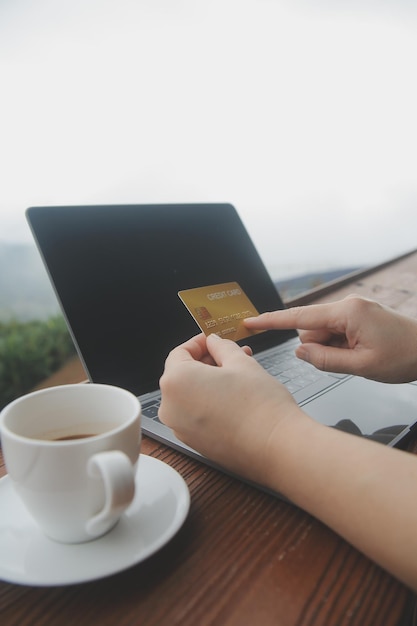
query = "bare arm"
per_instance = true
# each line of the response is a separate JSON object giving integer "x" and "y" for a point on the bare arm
{"x": 364, "y": 491}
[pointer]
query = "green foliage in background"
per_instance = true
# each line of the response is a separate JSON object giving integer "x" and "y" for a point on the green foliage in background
{"x": 29, "y": 353}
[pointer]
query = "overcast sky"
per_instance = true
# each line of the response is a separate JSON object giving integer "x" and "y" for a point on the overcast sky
{"x": 301, "y": 114}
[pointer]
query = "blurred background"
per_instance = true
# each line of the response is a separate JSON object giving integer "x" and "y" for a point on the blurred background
{"x": 300, "y": 113}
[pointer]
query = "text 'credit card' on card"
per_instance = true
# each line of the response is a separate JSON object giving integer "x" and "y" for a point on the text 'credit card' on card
{"x": 220, "y": 309}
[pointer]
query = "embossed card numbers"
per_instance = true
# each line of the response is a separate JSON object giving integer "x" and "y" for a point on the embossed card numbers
{"x": 220, "y": 309}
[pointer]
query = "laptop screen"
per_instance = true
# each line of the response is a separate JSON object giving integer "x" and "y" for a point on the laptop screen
{"x": 117, "y": 271}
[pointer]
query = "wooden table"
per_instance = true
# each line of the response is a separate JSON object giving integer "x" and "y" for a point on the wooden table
{"x": 242, "y": 557}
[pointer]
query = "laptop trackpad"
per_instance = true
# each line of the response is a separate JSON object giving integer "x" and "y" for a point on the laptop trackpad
{"x": 366, "y": 407}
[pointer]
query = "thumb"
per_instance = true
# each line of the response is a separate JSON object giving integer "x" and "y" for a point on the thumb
{"x": 222, "y": 349}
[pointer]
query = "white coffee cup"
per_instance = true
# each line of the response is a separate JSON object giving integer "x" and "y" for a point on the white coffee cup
{"x": 70, "y": 452}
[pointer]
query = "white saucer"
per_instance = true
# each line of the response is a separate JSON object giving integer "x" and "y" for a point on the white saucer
{"x": 158, "y": 510}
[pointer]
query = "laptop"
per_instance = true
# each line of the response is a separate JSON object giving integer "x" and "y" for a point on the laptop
{"x": 117, "y": 271}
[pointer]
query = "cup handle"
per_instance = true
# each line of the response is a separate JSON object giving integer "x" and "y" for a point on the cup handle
{"x": 116, "y": 471}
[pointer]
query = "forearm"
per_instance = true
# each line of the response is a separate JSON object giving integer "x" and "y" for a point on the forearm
{"x": 364, "y": 491}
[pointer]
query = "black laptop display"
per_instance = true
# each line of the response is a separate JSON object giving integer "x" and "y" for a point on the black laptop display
{"x": 117, "y": 271}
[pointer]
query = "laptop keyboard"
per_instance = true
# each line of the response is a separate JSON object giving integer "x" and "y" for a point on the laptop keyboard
{"x": 150, "y": 408}
{"x": 301, "y": 379}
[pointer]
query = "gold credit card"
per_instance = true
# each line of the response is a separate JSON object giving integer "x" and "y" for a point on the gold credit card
{"x": 220, "y": 309}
